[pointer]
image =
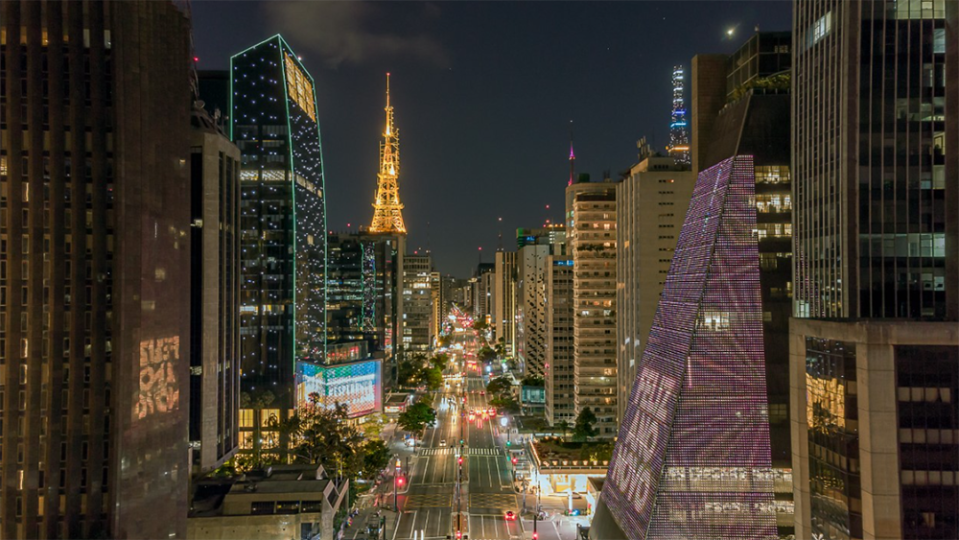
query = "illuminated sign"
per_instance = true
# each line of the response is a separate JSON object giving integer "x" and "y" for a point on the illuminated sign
{"x": 357, "y": 385}
{"x": 299, "y": 87}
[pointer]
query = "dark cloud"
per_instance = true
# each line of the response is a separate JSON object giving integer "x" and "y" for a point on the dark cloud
{"x": 356, "y": 32}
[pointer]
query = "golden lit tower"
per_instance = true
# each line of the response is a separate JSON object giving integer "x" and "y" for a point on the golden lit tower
{"x": 387, "y": 213}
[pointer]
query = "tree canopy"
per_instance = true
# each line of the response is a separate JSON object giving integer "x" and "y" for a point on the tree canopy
{"x": 417, "y": 417}
{"x": 583, "y": 428}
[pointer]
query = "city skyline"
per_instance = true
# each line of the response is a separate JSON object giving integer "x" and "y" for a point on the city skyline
{"x": 509, "y": 90}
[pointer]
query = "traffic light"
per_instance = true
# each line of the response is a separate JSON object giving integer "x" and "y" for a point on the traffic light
{"x": 461, "y": 460}
{"x": 508, "y": 443}
{"x": 400, "y": 481}
{"x": 514, "y": 461}
{"x": 459, "y": 535}
{"x": 535, "y": 535}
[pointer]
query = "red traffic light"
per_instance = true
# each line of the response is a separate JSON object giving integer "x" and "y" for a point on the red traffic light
{"x": 461, "y": 460}
{"x": 514, "y": 461}
{"x": 399, "y": 481}
{"x": 459, "y": 535}
{"x": 535, "y": 536}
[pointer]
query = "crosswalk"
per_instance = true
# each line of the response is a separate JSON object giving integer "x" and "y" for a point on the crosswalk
{"x": 429, "y": 500}
{"x": 452, "y": 451}
{"x": 492, "y": 500}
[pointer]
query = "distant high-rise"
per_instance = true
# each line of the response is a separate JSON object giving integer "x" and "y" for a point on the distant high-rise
{"x": 652, "y": 204}
{"x": 417, "y": 302}
{"x": 504, "y": 299}
{"x": 558, "y": 342}
{"x": 591, "y": 241}
{"x": 283, "y": 227}
{"x": 678, "y": 128}
{"x": 388, "y": 211}
{"x": 692, "y": 458}
{"x": 215, "y": 301}
{"x": 534, "y": 246}
{"x": 483, "y": 292}
{"x": 94, "y": 269}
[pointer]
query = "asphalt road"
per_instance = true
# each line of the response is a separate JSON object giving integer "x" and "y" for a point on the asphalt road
{"x": 435, "y": 505}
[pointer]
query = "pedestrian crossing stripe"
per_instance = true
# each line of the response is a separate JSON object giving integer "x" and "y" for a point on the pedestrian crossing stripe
{"x": 429, "y": 500}
{"x": 492, "y": 500}
{"x": 452, "y": 451}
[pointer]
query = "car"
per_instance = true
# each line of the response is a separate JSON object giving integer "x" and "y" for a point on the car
{"x": 510, "y": 516}
{"x": 482, "y": 392}
{"x": 443, "y": 442}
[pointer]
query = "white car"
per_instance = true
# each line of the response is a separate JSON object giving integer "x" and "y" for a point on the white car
{"x": 443, "y": 442}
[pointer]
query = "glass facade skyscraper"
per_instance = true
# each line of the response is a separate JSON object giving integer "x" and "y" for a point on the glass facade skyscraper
{"x": 869, "y": 156}
{"x": 693, "y": 457}
{"x": 282, "y": 222}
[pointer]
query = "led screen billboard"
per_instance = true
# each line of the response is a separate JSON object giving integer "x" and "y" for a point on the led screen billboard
{"x": 357, "y": 385}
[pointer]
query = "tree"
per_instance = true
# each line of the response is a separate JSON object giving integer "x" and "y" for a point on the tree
{"x": 440, "y": 361}
{"x": 376, "y": 457}
{"x": 583, "y": 429}
{"x": 323, "y": 436}
{"x": 406, "y": 373}
{"x": 486, "y": 354}
{"x": 564, "y": 425}
{"x": 500, "y": 387}
{"x": 417, "y": 417}
{"x": 432, "y": 378}
{"x": 507, "y": 403}
{"x": 534, "y": 380}
{"x": 479, "y": 324}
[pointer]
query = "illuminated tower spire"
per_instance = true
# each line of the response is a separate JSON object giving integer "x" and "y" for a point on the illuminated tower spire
{"x": 387, "y": 213}
{"x": 572, "y": 156}
{"x": 678, "y": 134}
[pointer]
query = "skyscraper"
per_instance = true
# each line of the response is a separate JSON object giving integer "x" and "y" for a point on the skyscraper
{"x": 94, "y": 278}
{"x": 534, "y": 246}
{"x": 750, "y": 116}
{"x": 874, "y": 350}
{"x": 692, "y": 457}
{"x": 871, "y": 220}
{"x": 417, "y": 302}
{"x": 282, "y": 223}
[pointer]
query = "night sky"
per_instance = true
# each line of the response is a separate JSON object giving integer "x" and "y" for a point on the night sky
{"x": 483, "y": 95}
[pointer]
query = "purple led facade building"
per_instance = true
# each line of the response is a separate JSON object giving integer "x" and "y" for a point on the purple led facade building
{"x": 693, "y": 457}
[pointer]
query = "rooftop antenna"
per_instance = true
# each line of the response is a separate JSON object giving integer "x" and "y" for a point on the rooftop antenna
{"x": 572, "y": 155}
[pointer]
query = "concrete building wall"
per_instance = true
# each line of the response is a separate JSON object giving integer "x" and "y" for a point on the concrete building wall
{"x": 708, "y": 97}
{"x": 652, "y": 204}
